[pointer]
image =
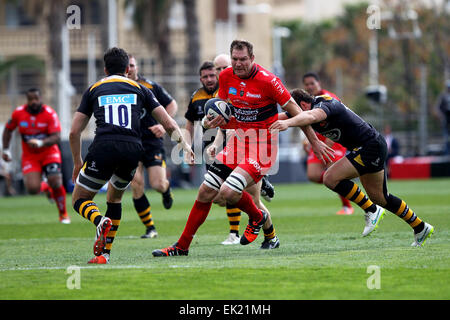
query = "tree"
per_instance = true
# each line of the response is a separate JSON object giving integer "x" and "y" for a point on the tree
{"x": 193, "y": 43}
{"x": 151, "y": 20}
{"x": 343, "y": 43}
{"x": 52, "y": 13}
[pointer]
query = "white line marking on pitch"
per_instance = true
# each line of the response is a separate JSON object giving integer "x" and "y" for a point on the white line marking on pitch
{"x": 88, "y": 267}
{"x": 63, "y": 239}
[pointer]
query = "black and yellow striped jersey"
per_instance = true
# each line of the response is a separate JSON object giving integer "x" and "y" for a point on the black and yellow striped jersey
{"x": 342, "y": 125}
{"x": 195, "y": 110}
{"x": 164, "y": 98}
{"x": 117, "y": 103}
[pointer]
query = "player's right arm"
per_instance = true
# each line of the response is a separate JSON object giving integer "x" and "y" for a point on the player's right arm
{"x": 79, "y": 123}
{"x": 7, "y": 135}
{"x": 172, "y": 128}
{"x": 304, "y": 119}
{"x": 169, "y": 124}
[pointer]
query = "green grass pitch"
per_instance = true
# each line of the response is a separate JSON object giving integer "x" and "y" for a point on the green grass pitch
{"x": 322, "y": 255}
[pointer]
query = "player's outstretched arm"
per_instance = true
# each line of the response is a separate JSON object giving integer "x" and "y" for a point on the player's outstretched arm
{"x": 304, "y": 119}
{"x": 172, "y": 128}
{"x": 158, "y": 129}
{"x": 79, "y": 123}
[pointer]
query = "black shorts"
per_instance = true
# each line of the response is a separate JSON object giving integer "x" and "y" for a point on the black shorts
{"x": 219, "y": 169}
{"x": 114, "y": 161}
{"x": 153, "y": 156}
{"x": 371, "y": 157}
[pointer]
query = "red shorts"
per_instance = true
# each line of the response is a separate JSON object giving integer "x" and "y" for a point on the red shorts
{"x": 339, "y": 153}
{"x": 36, "y": 161}
{"x": 255, "y": 158}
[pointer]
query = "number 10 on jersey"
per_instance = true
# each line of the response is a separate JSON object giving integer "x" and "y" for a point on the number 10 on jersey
{"x": 118, "y": 109}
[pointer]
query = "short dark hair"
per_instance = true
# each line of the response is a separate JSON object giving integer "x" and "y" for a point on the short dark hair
{"x": 116, "y": 61}
{"x": 310, "y": 74}
{"x": 240, "y": 45}
{"x": 207, "y": 65}
{"x": 32, "y": 90}
{"x": 300, "y": 95}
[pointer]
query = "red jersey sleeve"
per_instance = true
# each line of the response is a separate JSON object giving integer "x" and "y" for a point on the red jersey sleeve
{"x": 223, "y": 88}
{"x": 53, "y": 122}
{"x": 278, "y": 91}
{"x": 12, "y": 123}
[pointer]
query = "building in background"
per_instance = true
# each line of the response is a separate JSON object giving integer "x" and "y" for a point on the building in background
{"x": 194, "y": 31}
{"x": 24, "y": 35}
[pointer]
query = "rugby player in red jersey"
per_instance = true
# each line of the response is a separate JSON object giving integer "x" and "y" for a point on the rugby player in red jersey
{"x": 254, "y": 93}
{"x": 315, "y": 169}
{"x": 39, "y": 126}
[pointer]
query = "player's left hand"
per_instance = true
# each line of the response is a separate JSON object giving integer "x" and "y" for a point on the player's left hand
{"x": 211, "y": 151}
{"x": 189, "y": 156}
{"x": 35, "y": 143}
{"x": 279, "y": 125}
{"x": 323, "y": 152}
{"x": 6, "y": 155}
{"x": 157, "y": 130}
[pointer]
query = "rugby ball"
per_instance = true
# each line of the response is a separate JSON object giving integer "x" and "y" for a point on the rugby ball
{"x": 217, "y": 107}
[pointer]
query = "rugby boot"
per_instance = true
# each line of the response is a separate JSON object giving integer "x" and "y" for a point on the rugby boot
{"x": 270, "y": 243}
{"x": 267, "y": 189}
{"x": 172, "y": 250}
{"x": 372, "y": 220}
{"x": 102, "y": 230}
{"x": 167, "y": 198}
{"x": 422, "y": 236}
{"x": 101, "y": 259}
{"x": 252, "y": 230}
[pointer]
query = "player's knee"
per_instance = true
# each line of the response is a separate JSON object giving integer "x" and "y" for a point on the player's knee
{"x": 220, "y": 201}
{"x": 329, "y": 180}
{"x": 137, "y": 182}
{"x": 160, "y": 185}
{"x": 33, "y": 190}
{"x": 229, "y": 195}
{"x": 313, "y": 176}
{"x": 206, "y": 194}
{"x": 55, "y": 182}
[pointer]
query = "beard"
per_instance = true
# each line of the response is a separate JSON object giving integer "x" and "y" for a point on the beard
{"x": 34, "y": 108}
{"x": 212, "y": 90}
